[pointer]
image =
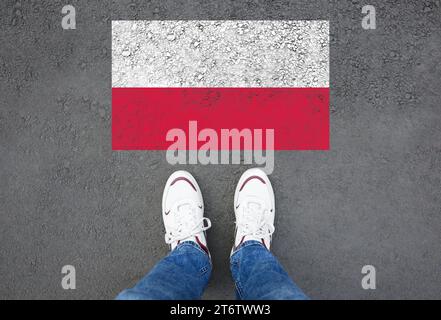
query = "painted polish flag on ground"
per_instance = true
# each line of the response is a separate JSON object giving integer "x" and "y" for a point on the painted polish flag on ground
{"x": 222, "y": 74}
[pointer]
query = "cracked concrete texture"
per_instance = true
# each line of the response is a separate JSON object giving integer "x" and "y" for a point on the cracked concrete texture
{"x": 374, "y": 198}
{"x": 220, "y": 53}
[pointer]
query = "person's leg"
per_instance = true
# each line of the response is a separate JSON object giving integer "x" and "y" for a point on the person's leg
{"x": 185, "y": 272}
{"x": 182, "y": 275}
{"x": 257, "y": 274}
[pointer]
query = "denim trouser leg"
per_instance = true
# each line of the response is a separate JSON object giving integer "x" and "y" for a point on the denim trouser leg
{"x": 258, "y": 275}
{"x": 182, "y": 275}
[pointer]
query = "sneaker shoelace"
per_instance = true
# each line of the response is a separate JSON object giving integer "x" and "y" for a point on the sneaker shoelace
{"x": 252, "y": 221}
{"x": 186, "y": 222}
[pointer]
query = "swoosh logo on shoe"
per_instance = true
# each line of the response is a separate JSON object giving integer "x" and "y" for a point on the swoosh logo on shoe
{"x": 167, "y": 212}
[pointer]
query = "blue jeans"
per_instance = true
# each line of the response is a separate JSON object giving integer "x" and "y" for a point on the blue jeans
{"x": 184, "y": 273}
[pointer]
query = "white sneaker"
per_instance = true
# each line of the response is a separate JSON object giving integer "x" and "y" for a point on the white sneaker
{"x": 254, "y": 206}
{"x": 183, "y": 211}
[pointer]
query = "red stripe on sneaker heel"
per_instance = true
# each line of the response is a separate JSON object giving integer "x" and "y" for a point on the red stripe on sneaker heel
{"x": 202, "y": 245}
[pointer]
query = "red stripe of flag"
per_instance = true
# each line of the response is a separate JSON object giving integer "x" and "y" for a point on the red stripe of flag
{"x": 141, "y": 117}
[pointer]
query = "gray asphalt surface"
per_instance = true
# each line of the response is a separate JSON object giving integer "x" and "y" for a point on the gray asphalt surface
{"x": 67, "y": 198}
